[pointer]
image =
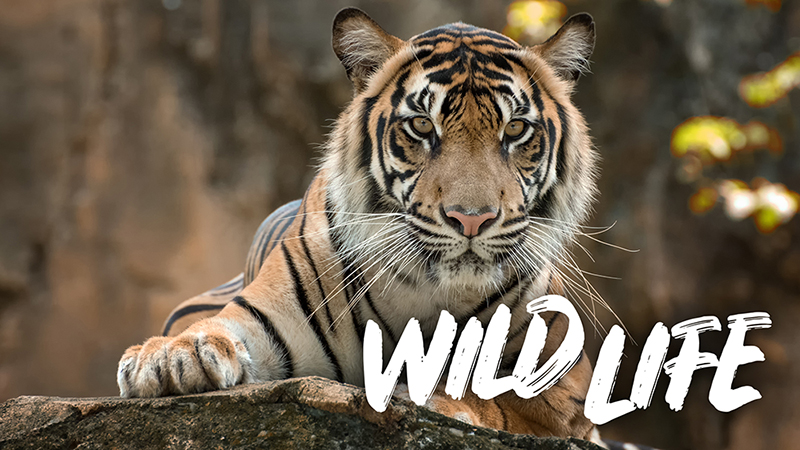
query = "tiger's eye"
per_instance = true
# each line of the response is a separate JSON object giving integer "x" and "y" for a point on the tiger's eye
{"x": 514, "y": 128}
{"x": 422, "y": 125}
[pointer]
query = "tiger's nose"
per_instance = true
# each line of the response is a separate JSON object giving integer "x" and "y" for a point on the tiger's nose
{"x": 469, "y": 224}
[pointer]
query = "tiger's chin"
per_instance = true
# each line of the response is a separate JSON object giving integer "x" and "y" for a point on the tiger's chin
{"x": 469, "y": 272}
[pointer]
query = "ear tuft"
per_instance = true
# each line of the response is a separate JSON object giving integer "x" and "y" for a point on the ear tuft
{"x": 568, "y": 50}
{"x": 361, "y": 45}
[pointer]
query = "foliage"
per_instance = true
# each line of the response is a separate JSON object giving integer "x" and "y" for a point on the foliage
{"x": 708, "y": 140}
{"x": 715, "y": 139}
{"x": 764, "y": 89}
{"x": 533, "y": 21}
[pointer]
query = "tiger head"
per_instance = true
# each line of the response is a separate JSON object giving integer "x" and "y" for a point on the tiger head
{"x": 461, "y": 157}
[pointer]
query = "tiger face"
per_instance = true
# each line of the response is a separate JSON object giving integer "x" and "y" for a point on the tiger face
{"x": 469, "y": 146}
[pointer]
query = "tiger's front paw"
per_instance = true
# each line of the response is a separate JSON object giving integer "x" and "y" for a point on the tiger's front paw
{"x": 188, "y": 363}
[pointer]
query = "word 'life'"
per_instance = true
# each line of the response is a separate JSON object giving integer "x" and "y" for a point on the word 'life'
{"x": 478, "y": 355}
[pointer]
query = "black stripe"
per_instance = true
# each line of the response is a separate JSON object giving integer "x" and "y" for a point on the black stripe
{"x": 418, "y": 56}
{"x": 310, "y": 260}
{"x": 536, "y": 96}
{"x": 446, "y": 30}
{"x": 215, "y": 293}
{"x": 174, "y": 317}
{"x": 289, "y": 222}
{"x": 503, "y": 415}
{"x": 180, "y": 370}
{"x": 388, "y": 179}
{"x": 491, "y": 74}
{"x": 479, "y": 36}
{"x": 551, "y": 136}
{"x": 438, "y": 59}
{"x": 380, "y": 318}
{"x": 397, "y": 150}
{"x": 541, "y": 175}
{"x": 509, "y": 235}
{"x": 561, "y": 162}
{"x": 525, "y": 106}
{"x": 414, "y": 211}
{"x": 400, "y": 90}
{"x": 513, "y": 221}
{"x": 537, "y": 155}
{"x": 432, "y": 41}
{"x": 126, "y": 375}
{"x": 288, "y": 217}
{"x": 501, "y": 61}
{"x": 410, "y": 190}
{"x": 269, "y": 329}
{"x": 256, "y": 249}
{"x": 472, "y": 31}
{"x": 403, "y": 176}
{"x": 263, "y": 243}
{"x": 518, "y": 62}
{"x": 543, "y": 205}
{"x": 497, "y": 296}
{"x": 509, "y": 362}
{"x": 494, "y": 43}
{"x": 553, "y": 319}
{"x": 313, "y": 320}
{"x": 267, "y": 238}
{"x": 417, "y": 228}
{"x": 366, "y": 145}
{"x": 355, "y": 316}
{"x": 234, "y": 281}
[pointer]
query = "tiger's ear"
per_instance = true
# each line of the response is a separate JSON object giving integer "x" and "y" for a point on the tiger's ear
{"x": 568, "y": 51}
{"x": 361, "y": 45}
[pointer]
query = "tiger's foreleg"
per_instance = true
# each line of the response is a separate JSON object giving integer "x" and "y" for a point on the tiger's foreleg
{"x": 265, "y": 333}
{"x": 215, "y": 353}
{"x": 239, "y": 345}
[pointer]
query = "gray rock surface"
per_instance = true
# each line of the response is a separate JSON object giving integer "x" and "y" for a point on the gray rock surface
{"x": 306, "y": 413}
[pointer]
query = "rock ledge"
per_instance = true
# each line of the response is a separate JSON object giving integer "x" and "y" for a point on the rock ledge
{"x": 307, "y": 413}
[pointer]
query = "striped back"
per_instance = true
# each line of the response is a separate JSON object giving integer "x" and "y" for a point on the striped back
{"x": 267, "y": 237}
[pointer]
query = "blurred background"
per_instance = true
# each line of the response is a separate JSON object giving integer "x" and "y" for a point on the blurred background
{"x": 142, "y": 142}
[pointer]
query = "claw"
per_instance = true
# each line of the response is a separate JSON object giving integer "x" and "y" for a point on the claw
{"x": 188, "y": 363}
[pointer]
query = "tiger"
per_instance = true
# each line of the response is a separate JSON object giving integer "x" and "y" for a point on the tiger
{"x": 455, "y": 180}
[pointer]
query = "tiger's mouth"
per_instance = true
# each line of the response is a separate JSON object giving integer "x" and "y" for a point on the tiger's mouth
{"x": 466, "y": 260}
{"x": 468, "y": 270}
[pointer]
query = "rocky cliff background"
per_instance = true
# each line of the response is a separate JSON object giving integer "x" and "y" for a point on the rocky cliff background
{"x": 142, "y": 142}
